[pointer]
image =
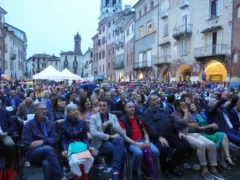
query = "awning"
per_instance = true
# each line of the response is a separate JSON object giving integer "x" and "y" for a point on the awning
{"x": 211, "y": 29}
{"x": 165, "y": 43}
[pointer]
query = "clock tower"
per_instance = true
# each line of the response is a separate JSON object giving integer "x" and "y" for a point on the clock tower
{"x": 77, "y": 43}
{"x": 109, "y": 7}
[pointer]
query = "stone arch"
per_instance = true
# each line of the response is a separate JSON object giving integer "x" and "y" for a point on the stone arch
{"x": 140, "y": 75}
{"x": 162, "y": 75}
{"x": 215, "y": 71}
{"x": 183, "y": 73}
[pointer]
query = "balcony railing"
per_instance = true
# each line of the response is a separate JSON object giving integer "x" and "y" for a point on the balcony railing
{"x": 143, "y": 64}
{"x": 213, "y": 50}
{"x": 183, "y": 30}
{"x": 119, "y": 65}
{"x": 164, "y": 14}
{"x": 184, "y": 3}
{"x": 165, "y": 59}
{"x": 119, "y": 45}
{"x": 13, "y": 57}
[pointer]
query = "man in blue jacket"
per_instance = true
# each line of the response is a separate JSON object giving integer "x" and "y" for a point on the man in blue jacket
{"x": 8, "y": 128}
{"x": 39, "y": 137}
{"x": 12, "y": 100}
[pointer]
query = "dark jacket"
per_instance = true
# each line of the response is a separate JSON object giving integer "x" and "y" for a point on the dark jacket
{"x": 125, "y": 120}
{"x": 6, "y": 122}
{"x": 139, "y": 111}
{"x": 32, "y": 131}
{"x": 233, "y": 114}
{"x": 119, "y": 106}
{"x": 170, "y": 108}
{"x": 72, "y": 131}
{"x": 57, "y": 115}
{"x": 158, "y": 124}
{"x": 215, "y": 114}
{"x": 8, "y": 102}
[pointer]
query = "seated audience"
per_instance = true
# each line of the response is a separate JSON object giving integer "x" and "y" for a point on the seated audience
{"x": 105, "y": 131}
{"x": 25, "y": 108}
{"x": 139, "y": 143}
{"x": 187, "y": 126}
{"x": 219, "y": 138}
{"x": 165, "y": 137}
{"x": 39, "y": 137}
{"x": 72, "y": 130}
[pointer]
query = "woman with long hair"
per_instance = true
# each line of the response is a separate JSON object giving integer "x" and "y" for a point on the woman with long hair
{"x": 95, "y": 103}
{"x": 85, "y": 112}
{"x": 219, "y": 138}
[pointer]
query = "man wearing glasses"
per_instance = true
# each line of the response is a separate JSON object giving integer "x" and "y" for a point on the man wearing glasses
{"x": 39, "y": 137}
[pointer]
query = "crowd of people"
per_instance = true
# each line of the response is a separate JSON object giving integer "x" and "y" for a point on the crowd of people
{"x": 150, "y": 121}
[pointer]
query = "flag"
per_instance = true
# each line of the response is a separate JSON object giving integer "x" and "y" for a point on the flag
{"x": 130, "y": 78}
{"x": 203, "y": 73}
{"x": 82, "y": 74}
{"x": 169, "y": 77}
{"x": 15, "y": 76}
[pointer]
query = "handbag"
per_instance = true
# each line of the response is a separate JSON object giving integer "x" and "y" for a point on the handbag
{"x": 77, "y": 147}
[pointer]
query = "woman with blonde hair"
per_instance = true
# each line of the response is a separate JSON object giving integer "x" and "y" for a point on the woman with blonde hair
{"x": 73, "y": 130}
{"x": 95, "y": 103}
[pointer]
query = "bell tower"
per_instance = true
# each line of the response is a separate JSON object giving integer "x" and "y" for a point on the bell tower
{"x": 109, "y": 7}
{"x": 77, "y": 43}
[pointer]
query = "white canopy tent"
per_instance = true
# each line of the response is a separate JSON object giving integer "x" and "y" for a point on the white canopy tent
{"x": 49, "y": 73}
{"x": 70, "y": 76}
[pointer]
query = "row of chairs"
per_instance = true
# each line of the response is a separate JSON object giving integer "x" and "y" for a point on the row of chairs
{"x": 20, "y": 162}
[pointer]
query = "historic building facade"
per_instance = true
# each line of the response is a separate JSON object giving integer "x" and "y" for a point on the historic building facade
{"x": 15, "y": 49}
{"x": 38, "y": 62}
{"x": 197, "y": 44}
{"x": 235, "y": 61}
{"x": 2, "y": 35}
{"x": 146, "y": 39}
{"x": 129, "y": 49}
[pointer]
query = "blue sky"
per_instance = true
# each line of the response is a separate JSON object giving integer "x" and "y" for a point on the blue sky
{"x": 50, "y": 25}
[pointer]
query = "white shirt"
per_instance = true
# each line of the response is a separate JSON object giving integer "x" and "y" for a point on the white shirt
{"x": 227, "y": 120}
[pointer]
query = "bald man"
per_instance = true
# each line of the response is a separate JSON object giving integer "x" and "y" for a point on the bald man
{"x": 25, "y": 108}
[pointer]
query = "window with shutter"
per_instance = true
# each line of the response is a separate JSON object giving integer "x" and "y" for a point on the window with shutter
{"x": 206, "y": 9}
{"x": 219, "y": 7}
{"x": 165, "y": 32}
